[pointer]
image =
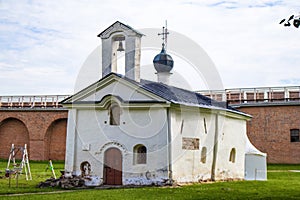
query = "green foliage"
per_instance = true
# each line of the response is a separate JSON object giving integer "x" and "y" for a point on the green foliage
{"x": 281, "y": 184}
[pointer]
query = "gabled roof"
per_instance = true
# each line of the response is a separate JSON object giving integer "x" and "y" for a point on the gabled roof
{"x": 172, "y": 94}
{"x": 120, "y": 24}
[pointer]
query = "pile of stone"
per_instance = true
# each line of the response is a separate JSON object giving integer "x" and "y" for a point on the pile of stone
{"x": 72, "y": 182}
{"x": 51, "y": 182}
{"x": 66, "y": 183}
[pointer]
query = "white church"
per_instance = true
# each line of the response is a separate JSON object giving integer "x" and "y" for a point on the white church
{"x": 124, "y": 130}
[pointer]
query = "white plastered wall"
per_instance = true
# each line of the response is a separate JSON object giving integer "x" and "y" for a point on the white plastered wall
{"x": 186, "y": 164}
{"x": 94, "y": 135}
{"x": 232, "y": 132}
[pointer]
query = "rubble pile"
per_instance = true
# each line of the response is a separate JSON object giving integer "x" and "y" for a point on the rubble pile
{"x": 66, "y": 183}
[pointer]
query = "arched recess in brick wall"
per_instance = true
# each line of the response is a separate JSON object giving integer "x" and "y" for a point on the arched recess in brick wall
{"x": 13, "y": 131}
{"x": 55, "y": 140}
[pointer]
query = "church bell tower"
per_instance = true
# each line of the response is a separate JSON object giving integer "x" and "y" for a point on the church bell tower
{"x": 120, "y": 37}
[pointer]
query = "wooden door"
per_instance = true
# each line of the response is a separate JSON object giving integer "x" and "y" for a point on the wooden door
{"x": 113, "y": 167}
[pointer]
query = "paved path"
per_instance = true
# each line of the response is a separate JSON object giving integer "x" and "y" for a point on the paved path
{"x": 35, "y": 193}
{"x": 283, "y": 170}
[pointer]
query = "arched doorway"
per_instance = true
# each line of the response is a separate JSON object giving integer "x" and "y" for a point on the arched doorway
{"x": 112, "y": 167}
{"x": 13, "y": 131}
{"x": 55, "y": 140}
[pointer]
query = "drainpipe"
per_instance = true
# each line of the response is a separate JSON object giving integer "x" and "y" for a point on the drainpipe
{"x": 215, "y": 150}
{"x": 169, "y": 146}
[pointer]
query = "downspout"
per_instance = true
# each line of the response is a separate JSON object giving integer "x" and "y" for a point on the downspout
{"x": 169, "y": 147}
{"x": 215, "y": 150}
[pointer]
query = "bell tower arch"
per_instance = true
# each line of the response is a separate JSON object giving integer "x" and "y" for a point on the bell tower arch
{"x": 120, "y": 37}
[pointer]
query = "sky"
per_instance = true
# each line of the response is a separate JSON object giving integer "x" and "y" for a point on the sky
{"x": 44, "y": 43}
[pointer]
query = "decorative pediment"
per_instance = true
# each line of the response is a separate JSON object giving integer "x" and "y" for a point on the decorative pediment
{"x": 114, "y": 87}
{"x": 118, "y": 27}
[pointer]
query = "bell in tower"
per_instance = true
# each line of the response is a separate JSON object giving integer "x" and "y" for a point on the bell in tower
{"x": 121, "y": 38}
{"x": 120, "y": 48}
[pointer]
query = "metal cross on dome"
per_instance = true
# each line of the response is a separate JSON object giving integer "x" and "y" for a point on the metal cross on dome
{"x": 164, "y": 35}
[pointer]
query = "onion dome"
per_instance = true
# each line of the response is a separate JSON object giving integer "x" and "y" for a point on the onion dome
{"x": 163, "y": 62}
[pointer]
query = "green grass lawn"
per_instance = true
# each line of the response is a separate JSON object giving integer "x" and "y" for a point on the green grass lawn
{"x": 281, "y": 184}
{"x": 39, "y": 173}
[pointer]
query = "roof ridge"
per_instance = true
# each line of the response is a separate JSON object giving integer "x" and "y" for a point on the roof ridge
{"x": 127, "y": 26}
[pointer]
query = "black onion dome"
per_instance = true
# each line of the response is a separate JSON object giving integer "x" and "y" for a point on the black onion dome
{"x": 163, "y": 62}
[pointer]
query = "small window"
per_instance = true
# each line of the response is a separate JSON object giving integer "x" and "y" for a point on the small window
{"x": 140, "y": 154}
{"x": 181, "y": 128}
{"x": 232, "y": 155}
{"x": 203, "y": 154}
{"x": 114, "y": 114}
{"x": 204, "y": 123}
{"x": 294, "y": 135}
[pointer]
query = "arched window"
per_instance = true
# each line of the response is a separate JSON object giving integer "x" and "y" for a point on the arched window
{"x": 203, "y": 154}
{"x": 232, "y": 155}
{"x": 140, "y": 154}
{"x": 114, "y": 114}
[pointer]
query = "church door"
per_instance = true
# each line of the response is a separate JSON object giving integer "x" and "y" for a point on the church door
{"x": 113, "y": 167}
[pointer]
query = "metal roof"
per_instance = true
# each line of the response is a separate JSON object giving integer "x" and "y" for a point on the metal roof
{"x": 179, "y": 96}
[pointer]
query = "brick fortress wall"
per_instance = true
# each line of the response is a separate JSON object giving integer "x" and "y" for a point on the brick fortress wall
{"x": 269, "y": 131}
{"x": 43, "y": 130}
